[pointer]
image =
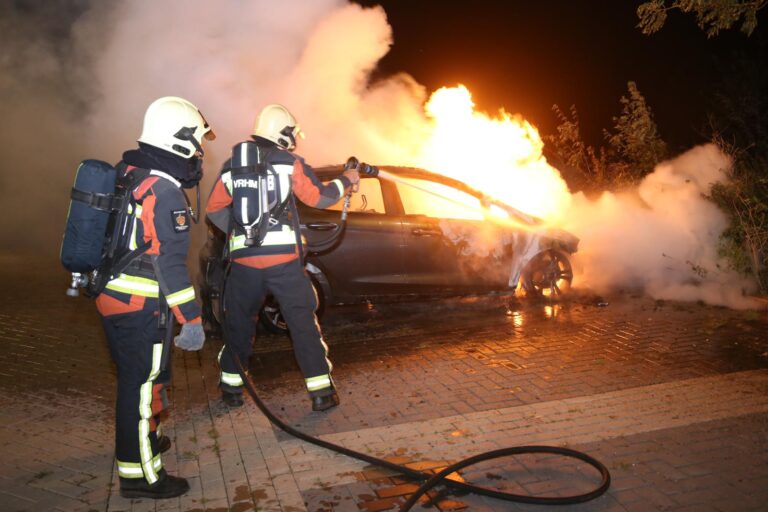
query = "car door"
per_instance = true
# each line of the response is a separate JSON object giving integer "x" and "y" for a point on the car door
{"x": 449, "y": 244}
{"x": 367, "y": 260}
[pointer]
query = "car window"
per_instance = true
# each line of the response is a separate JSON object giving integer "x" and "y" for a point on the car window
{"x": 432, "y": 199}
{"x": 368, "y": 199}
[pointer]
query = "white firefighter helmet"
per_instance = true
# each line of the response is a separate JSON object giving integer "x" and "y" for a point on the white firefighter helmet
{"x": 175, "y": 125}
{"x": 277, "y": 124}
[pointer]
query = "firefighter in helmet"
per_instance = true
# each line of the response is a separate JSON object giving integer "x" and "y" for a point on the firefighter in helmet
{"x": 268, "y": 258}
{"x": 138, "y": 305}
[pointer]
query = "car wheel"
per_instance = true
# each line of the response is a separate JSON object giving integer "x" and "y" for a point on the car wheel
{"x": 548, "y": 274}
{"x": 271, "y": 318}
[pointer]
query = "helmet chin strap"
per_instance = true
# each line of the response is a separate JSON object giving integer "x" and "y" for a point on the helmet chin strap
{"x": 188, "y": 134}
{"x": 194, "y": 213}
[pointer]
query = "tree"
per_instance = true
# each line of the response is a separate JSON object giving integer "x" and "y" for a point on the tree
{"x": 582, "y": 166}
{"x": 712, "y": 16}
{"x": 635, "y": 140}
{"x": 633, "y": 147}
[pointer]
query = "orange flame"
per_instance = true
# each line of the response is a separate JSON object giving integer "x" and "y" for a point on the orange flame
{"x": 500, "y": 156}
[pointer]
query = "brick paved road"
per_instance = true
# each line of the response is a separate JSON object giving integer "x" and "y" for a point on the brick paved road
{"x": 672, "y": 397}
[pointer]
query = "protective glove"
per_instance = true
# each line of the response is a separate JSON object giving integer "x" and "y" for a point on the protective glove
{"x": 353, "y": 175}
{"x": 191, "y": 337}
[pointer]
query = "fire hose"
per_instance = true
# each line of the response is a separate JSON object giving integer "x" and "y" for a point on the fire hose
{"x": 442, "y": 477}
{"x": 514, "y": 217}
{"x": 333, "y": 239}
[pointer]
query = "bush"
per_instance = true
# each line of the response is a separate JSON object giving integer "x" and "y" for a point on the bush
{"x": 744, "y": 198}
{"x": 739, "y": 124}
{"x": 633, "y": 147}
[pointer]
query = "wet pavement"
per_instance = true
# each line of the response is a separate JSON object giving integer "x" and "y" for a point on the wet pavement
{"x": 672, "y": 397}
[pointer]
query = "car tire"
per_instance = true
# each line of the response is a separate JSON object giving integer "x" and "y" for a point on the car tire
{"x": 549, "y": 274}
{"x": 271, "y": 318}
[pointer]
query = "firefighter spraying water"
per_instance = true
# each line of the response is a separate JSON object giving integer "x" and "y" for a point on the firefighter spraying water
{"x": 253, "y": 202}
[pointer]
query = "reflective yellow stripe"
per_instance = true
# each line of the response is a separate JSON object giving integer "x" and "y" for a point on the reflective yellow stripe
{"x": 132, "y": 242}
{"x": 133, "y": 469}
{"x": 236, "y": 242}
{"x": 134, "y": 285}
{"x": 319, "y": 382}
{"x": 284, "y": 237}
{"x": 145, "y": 413}
{"x": 322, "y": 342}
{"x": 136, "y": 217}
{"x": 181, "y": 297}
{"x": 136, "y": 213}
{"x": 339, "y": 185}
{"x": 231, "y": 379}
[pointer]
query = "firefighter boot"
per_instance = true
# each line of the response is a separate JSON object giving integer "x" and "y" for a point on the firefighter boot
{"x": 323, "y": 403}
{"x": 166, "y": 487}
{"x": 232, "y": 399}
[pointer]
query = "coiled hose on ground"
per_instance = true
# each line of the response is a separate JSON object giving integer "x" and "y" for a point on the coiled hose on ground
{"x": 431, "y": 481}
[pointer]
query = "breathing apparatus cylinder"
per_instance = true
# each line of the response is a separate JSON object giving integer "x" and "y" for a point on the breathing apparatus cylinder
{"x": 252, "y": 183}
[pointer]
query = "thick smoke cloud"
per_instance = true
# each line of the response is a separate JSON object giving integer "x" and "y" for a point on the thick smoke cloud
{"x": 661, "y": 237}
{"x": 76, "y": 76}
{"x": 231, "y": 58}
{"x": 40, "y": 114}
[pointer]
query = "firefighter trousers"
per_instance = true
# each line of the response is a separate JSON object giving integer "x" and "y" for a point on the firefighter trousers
{"x": 136, "y": 344}
{"x": 244, "y": 294}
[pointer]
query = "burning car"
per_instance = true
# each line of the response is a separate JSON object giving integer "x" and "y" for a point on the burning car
{"x": 411, "y": 234}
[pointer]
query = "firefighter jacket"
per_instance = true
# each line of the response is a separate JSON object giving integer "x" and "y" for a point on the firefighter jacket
{"x": 280, "y": 243}
{"x": 160, "y": 217}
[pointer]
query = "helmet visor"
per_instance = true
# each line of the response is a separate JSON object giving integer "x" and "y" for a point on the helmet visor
{"x": 208, "y": 133}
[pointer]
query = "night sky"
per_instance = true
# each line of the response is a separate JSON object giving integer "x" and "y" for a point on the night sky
{"x": 526, "y": 56}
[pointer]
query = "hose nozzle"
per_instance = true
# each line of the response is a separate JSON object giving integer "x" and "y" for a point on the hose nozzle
{"x": 370, "y": 170}
{"x": 362, "y": 167}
